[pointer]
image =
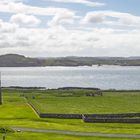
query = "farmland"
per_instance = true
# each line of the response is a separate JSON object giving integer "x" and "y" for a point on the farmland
{"x": 77, "y": 102}
{"x": 15, "y": 112}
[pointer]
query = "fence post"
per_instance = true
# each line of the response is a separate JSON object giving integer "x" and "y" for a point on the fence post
{"x": 3, "y": 138}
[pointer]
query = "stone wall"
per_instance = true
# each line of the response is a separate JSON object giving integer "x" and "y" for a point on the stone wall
{"x": 125, "y": 115}
{"x": 112, "y": 118}
{"x": 61, "y": 116}
{"x": 89, "y": 116}
{"x": 109, "y": 120}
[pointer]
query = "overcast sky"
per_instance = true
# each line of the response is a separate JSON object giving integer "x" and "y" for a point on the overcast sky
{"x": 70, "y": 27}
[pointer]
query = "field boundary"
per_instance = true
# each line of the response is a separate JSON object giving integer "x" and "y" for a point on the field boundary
{"x": 110, "y": 120}
{"x": 32, "y": 106}
{"x": 61, "y": 116}
{"x": 121, "y": 115}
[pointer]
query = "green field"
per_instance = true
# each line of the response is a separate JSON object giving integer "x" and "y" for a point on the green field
{"x": 15, "y": 112}
{"x": 76, "y": 101}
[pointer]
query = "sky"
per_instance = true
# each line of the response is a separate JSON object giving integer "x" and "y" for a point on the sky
{"x": 53, "y": 28}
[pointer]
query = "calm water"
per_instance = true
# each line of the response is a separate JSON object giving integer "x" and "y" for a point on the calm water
{"x": 104, "y": 77}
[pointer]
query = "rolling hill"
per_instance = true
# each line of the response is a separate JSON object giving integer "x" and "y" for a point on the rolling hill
{"x": 16, "y": 60}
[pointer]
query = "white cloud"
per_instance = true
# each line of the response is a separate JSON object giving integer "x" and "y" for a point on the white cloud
{"x": 6, "y": 1}
{"x": 58, "y": 41}
{"x": 94, "y": 18}
{"x": 25, "y": 20}
{"x": 6, "y": 27}
{"x": 62, "y": 18}
{"x": 12, "y": 7}
{"x": 85, "y": 2}
{"x": 111, "y": 17}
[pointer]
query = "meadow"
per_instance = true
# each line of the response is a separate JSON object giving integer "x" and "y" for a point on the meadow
{"x": 76, "y": 101}
{"x": 16, "y": 112}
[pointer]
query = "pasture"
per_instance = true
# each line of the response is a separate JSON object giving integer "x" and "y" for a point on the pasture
{"x": 15, "y": 112}
{"x": 76, "y": 101}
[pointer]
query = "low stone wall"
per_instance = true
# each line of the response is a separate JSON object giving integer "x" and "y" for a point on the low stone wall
{"x": 90, "y": 116}
{"x": 61, "y": 116}
{"x": 89, "y": 120}
{"x": 125, "y": 115}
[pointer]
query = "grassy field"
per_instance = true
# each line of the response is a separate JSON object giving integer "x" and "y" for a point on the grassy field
{"x": 78, "y": 102}
{"x": 15, "y": 112}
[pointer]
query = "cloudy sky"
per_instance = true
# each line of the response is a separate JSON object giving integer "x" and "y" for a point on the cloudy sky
{"x": 70, "y": 27}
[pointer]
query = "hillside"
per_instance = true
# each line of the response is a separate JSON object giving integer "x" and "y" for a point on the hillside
{"x": 15, "y": 60}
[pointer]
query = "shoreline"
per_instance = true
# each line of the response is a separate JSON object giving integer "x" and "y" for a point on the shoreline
{"x": 70, "y": 66}
{"x": 69, "y": 88}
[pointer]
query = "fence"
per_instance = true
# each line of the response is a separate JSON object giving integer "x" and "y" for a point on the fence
{"x": 61, "y": 116}
{"x": 124, "y": 115}
{"x": 109, "y": 120}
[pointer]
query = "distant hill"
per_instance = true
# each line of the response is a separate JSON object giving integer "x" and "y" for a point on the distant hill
{"x": 15, "y": 60}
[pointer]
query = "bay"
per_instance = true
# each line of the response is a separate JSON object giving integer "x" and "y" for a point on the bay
{"x": 104, "y": 77}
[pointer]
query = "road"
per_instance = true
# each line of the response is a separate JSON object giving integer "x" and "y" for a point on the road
{"x": 77, "y": 133}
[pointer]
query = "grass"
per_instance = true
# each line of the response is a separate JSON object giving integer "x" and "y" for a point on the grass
{"x": 113, "y": 102}
{"x": 15, "y": 112}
